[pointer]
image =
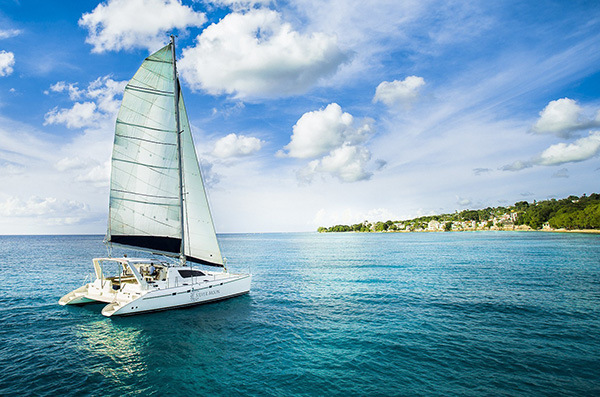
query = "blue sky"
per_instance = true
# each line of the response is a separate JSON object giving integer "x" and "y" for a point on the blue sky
{"x": 306, "y": 113}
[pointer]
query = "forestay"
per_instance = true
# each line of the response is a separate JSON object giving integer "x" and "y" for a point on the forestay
{"x": 144, "y": 209}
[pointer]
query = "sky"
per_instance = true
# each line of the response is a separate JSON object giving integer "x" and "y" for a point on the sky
{"x": 306, "y": 113}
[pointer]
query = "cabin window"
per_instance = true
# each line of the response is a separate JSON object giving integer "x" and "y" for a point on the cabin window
{"x": 190, "y": 273}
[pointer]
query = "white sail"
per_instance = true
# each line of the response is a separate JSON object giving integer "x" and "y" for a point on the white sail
{"x": 145, "y": 204}
{"x": 200, "y": 237}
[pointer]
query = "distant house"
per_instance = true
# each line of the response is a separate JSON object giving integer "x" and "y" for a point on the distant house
{"x": 435, "y": 225}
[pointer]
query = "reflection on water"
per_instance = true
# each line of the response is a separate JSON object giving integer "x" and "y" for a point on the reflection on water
{"x": 118, "y": 348}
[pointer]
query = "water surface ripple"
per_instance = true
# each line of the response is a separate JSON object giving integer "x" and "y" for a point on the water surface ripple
{"x": 435, "y": 314}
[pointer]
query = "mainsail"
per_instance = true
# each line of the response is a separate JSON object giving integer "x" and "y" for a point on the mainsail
{"x": 146, "y": 198}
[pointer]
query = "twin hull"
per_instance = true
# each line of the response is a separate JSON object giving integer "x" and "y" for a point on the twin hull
{"x": 129, "y": 294}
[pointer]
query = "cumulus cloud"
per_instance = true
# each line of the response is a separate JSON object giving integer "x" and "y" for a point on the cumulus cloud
{"x": 102, "y": 91}
{"x": 7, "y": 61}
{"x": 126, "y": 24}
{"x": 399, "y": 92}
{"x": 347, "y": 163}
{"x": 562, "y": 117}
{"x": 74, "y": 92}
{"x": 580, "y": 150}
{"x": 321, "y": 131}
{"x": 257, "y": 54}
{"x": 236, "y": 146}
{"x": 332, "y": 135}
{"x": 79, "y": 116}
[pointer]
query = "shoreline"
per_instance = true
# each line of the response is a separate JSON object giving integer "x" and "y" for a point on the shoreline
{"x": 585, "y": 231}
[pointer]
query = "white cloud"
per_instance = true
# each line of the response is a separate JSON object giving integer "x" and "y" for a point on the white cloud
{"x": 239, "y": 4}
{"x": 516, "y": 166}
{"x": 347, "y": 163}
{"x": 256, "y": 54}
{"x": 74, "y": 92}
{"x": 321, "y": 131}
{"x": 580, "y": 150}
{"x": 402, "y": 92}
{"x": 41, "y": 207}
{"x": 126, "y": 24}
{"x": 88, "y": 170}
{"x": 8, "y": 33}
{"x": 331, "y": 133}
{"x": 103, "y": 91}
{"x": 7, "y": 61}
{"x": 71, "y": 163}
{"x": 561, "y": 117}
{"x": 79, "y": 116}
{"x": 236, "y": 146}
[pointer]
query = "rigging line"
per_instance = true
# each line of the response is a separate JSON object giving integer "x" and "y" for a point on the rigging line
{"x": 159, "y": 172}
{"x": 156, "y": 60}
{"x": 145, "y": 126}
{"x": 148, "y": 90}
{"x": 143, "y": 164}
{"x": 144, "y": 202}
{"x": 137, "y": 112}
{"x": 143, "y": 194}
{"x": 133, "y": 88}
{"x": 152, "y": 72}
{"x": 150, "y": 100}
{"x": 145, "y": 140}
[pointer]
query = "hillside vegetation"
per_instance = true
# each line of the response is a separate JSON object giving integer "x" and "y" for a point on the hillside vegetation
{"x": 571, "y": 213}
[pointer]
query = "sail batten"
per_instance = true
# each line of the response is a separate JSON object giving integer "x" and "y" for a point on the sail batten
{"x": 157, "y": 195}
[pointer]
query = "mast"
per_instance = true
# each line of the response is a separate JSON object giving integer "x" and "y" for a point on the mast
{"x": 179, "y": 152}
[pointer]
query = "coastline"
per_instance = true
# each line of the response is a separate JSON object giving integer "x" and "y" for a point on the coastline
{"x": 493, "y": 229}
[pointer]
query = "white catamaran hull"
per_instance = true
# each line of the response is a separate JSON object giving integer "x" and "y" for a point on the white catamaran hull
{"x": 186, "y": 295}
{"x": 134, "y": 291}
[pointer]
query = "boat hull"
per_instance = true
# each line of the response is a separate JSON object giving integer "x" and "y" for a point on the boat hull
{"x": 178, "y": 297}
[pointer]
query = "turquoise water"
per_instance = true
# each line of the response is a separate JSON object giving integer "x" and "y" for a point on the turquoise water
{"x": 329, "y": 314}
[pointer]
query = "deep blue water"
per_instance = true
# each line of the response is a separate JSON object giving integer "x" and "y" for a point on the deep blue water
{"x": 473, "y": 314}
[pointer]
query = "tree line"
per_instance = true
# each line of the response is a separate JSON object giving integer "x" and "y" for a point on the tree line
{"x": 570, "y": 213}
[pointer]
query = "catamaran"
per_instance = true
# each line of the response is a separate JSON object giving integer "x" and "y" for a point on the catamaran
{"x": 158, "y": 204}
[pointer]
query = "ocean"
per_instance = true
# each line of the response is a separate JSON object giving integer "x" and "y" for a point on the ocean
{"x": 390, "y": 314}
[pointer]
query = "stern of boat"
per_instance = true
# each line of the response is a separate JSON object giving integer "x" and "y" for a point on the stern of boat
{"x": 79, "y": 296}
